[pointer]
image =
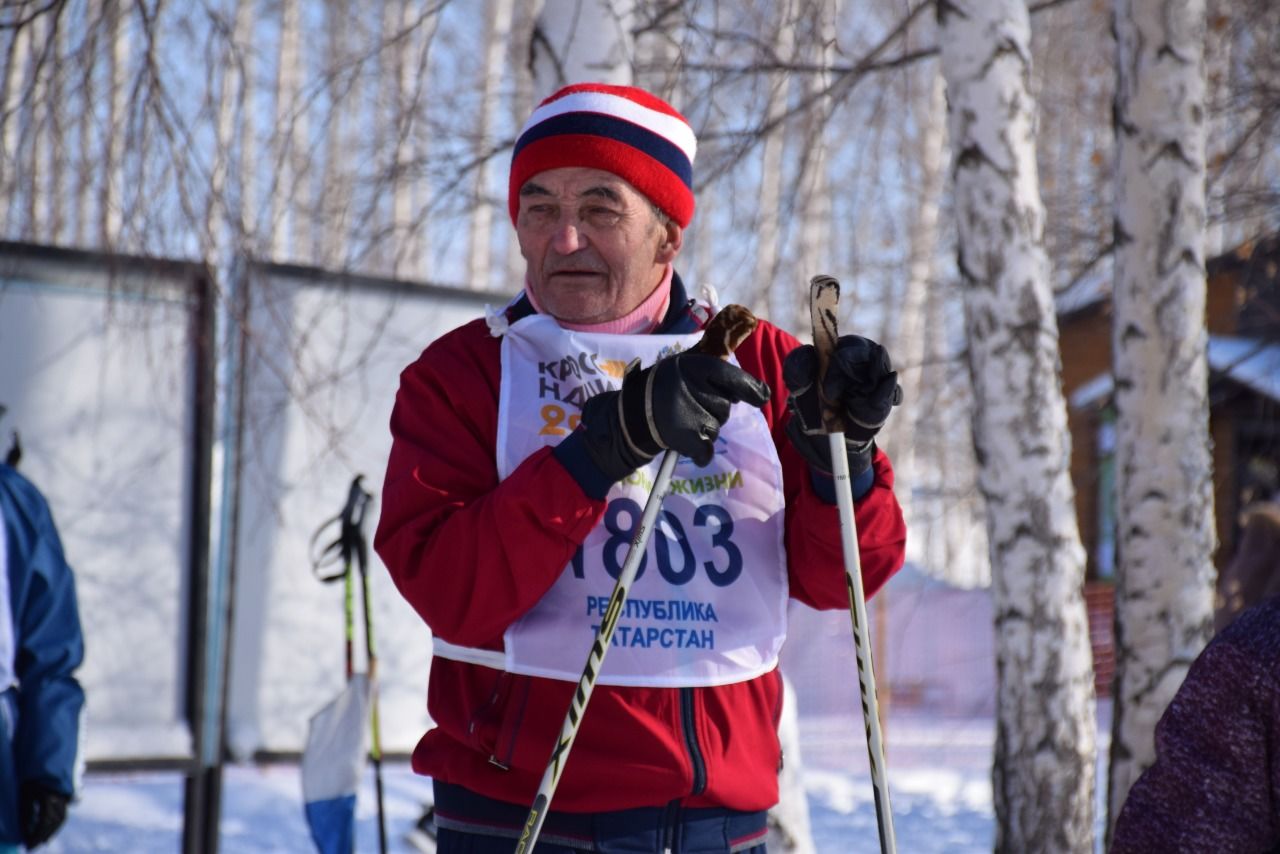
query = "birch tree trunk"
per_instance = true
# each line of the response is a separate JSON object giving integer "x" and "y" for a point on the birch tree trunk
{"x": 577, "y": 41}
{"x": 778, "y": 300}
{"x": 248, "y": 217}
{"x": 1164, "y": 506}
{"x": 38, "y": 144}
{"x": 525, "y": 93}
{"x": 288, "y": 129}
{"x": 1045, "y": 729}
{"x": 1223, "y": 123}
{"x": 57, "y": 186}
{"x": 86, "y": 146}
{"x": 15, "y": 73}
{"x": 659, "y": 47}
{"x": 408, "y": 193}
{"x": 219, "y": 225}
{"x": 479, "y": 254}
{"x": 813, "y": 203}
{"x": 111, "y": 211}
{"x": 46, "y": 150}
{"x": 934, "y": 470}
{"x": 340, "y": 150}
{"x": 905, "y": 339}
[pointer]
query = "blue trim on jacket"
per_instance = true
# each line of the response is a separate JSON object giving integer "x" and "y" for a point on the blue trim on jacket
{"x": 48, "y": 647}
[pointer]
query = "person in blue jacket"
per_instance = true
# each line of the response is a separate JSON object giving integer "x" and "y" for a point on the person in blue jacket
{"x": 40, "y": 648}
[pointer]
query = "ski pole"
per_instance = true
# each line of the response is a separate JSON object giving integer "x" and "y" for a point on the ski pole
{"x": 353, "y": 550}
{"x": 729, "y": 328}
{"x": 824, "y": 296}
{"x": 353, "y": 535}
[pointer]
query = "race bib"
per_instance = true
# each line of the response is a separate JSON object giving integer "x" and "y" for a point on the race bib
{"x": 708, "y": 606}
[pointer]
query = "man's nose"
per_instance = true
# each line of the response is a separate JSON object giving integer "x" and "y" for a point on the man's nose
{"x": 567, "y": 238}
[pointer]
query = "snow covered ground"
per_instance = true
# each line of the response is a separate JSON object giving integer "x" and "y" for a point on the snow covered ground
{"x": 939, "y": 775}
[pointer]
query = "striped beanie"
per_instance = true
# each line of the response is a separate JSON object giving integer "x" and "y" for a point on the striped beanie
{"x": 620, "y": 129}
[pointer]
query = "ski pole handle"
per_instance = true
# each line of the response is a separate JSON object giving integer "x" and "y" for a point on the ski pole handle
{"x": 824, "y": 297}
{"x": 729, "y": 328}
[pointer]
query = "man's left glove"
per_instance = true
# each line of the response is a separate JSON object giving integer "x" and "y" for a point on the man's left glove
{"x": 861, "y": 382}
{"x": 41, "y": 811}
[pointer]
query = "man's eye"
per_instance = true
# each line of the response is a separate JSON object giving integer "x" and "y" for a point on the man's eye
{"x": 602, "y": 216}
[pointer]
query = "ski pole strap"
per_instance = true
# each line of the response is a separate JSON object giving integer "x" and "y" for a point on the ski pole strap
{"x": 350, "y": 543}
{"x": 352, "y": 537}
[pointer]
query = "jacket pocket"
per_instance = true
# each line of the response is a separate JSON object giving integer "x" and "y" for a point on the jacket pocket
{"x": 495, "y": 726}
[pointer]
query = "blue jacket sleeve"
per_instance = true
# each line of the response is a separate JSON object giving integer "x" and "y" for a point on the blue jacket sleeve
{"x": 48, "y": 645}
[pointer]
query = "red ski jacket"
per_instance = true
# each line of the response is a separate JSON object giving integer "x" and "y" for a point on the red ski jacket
{"x": 472, "y": 554}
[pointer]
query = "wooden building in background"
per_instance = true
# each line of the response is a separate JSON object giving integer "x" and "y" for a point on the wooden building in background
{"x": 1243, "y": 319}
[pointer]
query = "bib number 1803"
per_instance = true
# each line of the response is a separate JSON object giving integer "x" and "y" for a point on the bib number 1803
{"x": 674, "y": 553}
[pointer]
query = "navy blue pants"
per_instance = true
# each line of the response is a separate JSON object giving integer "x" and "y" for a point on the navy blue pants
{"x": 468, "y": 823}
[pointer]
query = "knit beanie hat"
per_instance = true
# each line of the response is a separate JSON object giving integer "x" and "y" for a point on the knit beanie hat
{"x": 620, "y": 129}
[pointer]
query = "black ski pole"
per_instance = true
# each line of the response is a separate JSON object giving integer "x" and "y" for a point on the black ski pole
{"x": 353, "y": 550}
{"x": 375, "y": 753}
{"x": 358, "y": 502}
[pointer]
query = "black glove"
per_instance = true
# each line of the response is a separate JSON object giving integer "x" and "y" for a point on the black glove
{"x": 680, "y": 403}
{"x": 860, "y": 380}
{"x": 41, "y": 811}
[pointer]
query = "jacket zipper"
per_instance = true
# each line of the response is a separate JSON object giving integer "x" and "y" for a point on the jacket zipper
{"x": 670, "y": 817}
{"x": 688, "y": 718}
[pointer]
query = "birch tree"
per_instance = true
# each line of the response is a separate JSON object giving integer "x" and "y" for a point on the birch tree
{"x": 1045, "y": 730}
{"x": 659, "y": 47}
{"x": 225, "y": 223}
{"x": 42, "y": 161}
{"x": 931, "y": 447}
{"x": 409, "y": 192}
{"x": 1243, "y": 192}
{"x": 290, "y": 130}
{"x": 934, "y": 517}
{"x": 773, "y": 176}
{"x": 498, "y": 23}
{"x": 524, "y": 95}
{"x": 813, "y": 207}
{"x": 86, "y": 146}
{"x": 583, "y": 40}
{"x": 118, "y": 50}
{"x": 10, "y": 119}
{"x": 334, "y": 190}
{"x": 1164, "y": 506}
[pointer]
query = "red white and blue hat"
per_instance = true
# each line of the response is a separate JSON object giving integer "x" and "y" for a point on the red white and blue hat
{"x": 635, "y": 135}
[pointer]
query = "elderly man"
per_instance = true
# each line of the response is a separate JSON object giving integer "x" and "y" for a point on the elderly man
{"x": 524, "y": 448}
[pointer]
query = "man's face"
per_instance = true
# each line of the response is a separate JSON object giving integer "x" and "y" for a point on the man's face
{"x": 593, "y": 245}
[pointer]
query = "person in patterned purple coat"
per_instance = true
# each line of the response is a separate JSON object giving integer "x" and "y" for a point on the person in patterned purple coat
{"x": 1215, "y": 784}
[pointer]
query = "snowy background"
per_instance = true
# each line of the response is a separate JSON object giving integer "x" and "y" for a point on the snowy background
{"x": 939, "y": 776}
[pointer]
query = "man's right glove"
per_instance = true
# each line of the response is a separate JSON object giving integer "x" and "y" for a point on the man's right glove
{"x": 41, "y": 811}
{"x": 860, "y": 380}
{"x": 679, "y": 403}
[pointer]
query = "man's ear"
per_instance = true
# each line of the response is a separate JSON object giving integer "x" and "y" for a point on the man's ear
{"x": 671, "y": 243}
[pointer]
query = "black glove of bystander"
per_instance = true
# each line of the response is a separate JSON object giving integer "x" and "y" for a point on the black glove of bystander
{"x": 680, "y": 403}
{"x": 860, "y": 380}
{"x": 41, "y": 811}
